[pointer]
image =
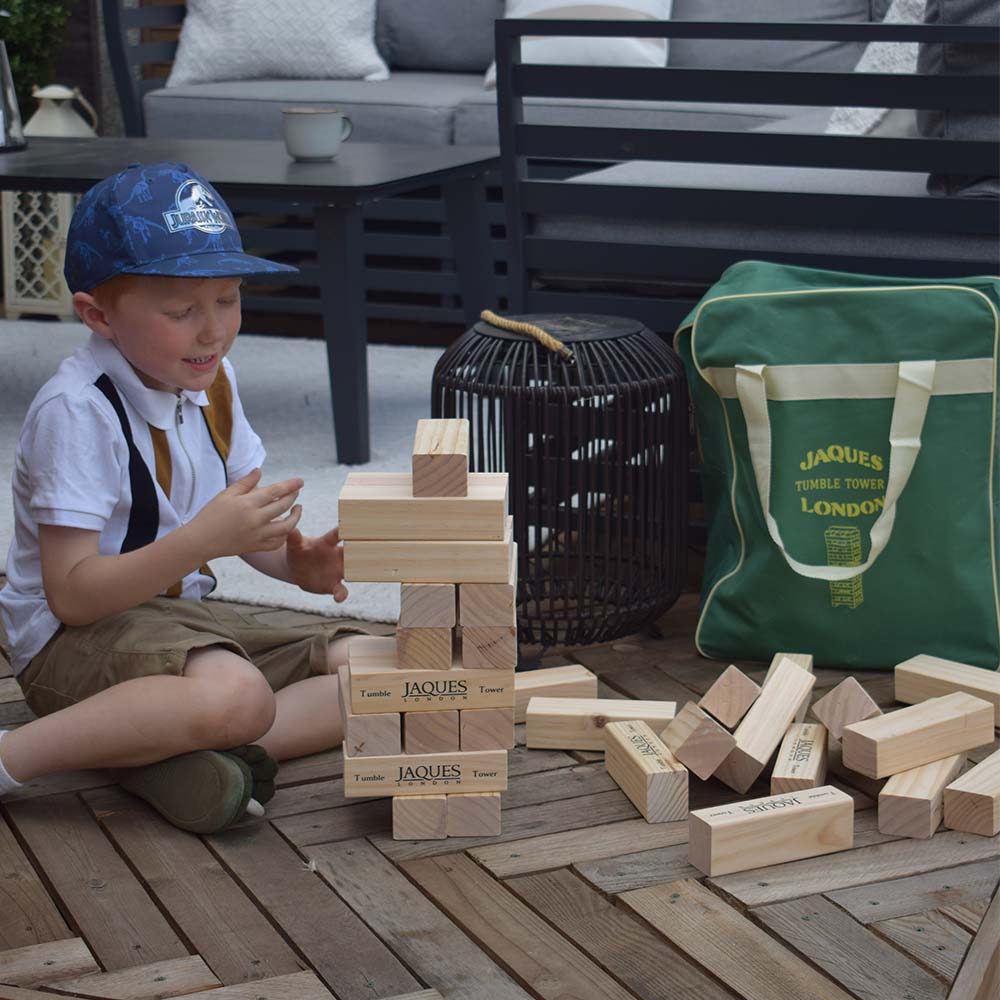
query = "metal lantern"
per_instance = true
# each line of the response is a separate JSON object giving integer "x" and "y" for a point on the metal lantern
{"x": 597, "y": 452}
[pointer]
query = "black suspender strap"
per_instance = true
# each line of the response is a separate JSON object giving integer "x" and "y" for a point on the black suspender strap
{"x": 144, "y": 517}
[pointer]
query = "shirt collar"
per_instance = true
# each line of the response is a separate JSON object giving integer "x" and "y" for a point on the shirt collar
{"x": 155, "y": 406}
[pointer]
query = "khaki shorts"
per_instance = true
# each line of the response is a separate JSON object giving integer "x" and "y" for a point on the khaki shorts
{"x": 156, "y": 637}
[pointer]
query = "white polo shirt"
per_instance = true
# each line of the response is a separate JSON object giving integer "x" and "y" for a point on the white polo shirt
{"x": 71, "y": 468}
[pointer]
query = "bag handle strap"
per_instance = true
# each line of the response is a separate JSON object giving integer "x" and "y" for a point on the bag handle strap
{"x": 914, "y": 386}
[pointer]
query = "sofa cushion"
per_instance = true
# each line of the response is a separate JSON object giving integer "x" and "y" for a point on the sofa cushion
{"x": 961, "y": 60}
{"x": 755, "y": 238}
{"x": 476, "y": 115}
{"x": 711, "y": 53}
{"x": 447, "y": 35}
{"x": 409, "y": 107}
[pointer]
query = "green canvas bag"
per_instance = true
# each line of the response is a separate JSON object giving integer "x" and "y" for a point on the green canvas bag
{"x": 848, "y": 433}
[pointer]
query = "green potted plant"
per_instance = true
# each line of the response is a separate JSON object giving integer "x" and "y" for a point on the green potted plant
{"x": 33, "y": 33}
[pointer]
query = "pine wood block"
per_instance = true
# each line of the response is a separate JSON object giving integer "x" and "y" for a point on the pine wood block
{"x": 420, "y": 817}
{"x": 380, "y": 506}
{"x": 441, "y": 458}
{"x": 487, "y": 729}
{"x": 646, "y": 771}
{"x": 802, "y": 759}
{"x": 917, "y": 735}
{"x": 697, "y": 740}
{"x": 923, "y": 677}
{"x": 730, "y": 697}
{"x": 770, "y": 830}
{"x": 378, "y": 685}
{"x": 431, "y": 732}
{"x": 428, "y": 562}
{"x": 848, "y": 702}
{"x": 424, "y": 648}
{"x": 489, "y": 647}
{"x": 428, "y": 605}
{"x": 580, "y": 723}
{"x": 910, "y": 804}
{"x": 765, "y": 724}
{"x": 571, "y": 681}
{"x": 425, "y": 773}
{"x": 367, "y": 735}
{"x": 490, "y": 603}
{"x": 473, "y": 814}
{"x": 35, "y": 964}
{"x": 872, "y": 787}
{"x": 972, "y": 802}
{"x": 803, "y": 660}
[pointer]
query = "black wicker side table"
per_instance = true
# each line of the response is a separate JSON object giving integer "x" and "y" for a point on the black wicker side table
{"x": 597, "y": 452}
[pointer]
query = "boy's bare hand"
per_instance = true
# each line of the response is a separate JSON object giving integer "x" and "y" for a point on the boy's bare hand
{"x": 316, "y": 565}
{"x": 246, "y": 517}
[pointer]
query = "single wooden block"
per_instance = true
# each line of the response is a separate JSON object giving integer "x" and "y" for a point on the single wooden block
{"x": 490, "y": 603}
{"x": 428, "y": 562}
{"x": 431, "y": 732}
{"x": 770, "y": 830}
{"x": 910, "y": 804}
{"x": 424, "y": 648}
{"x": 848, "y": 702}
{"x": 764, "y": 726}
{"x": 924, "y": 677}
{"x": 380, "y": 506}
{"x": 367, "y": 735}
{"x": 420, "y": 817}
{"x": 487, "y": 729}
{"x": 802, "y": 759}
{"x": 872, "y": 787}
{"x": 972, "y": 802}
{"x": 570, "y": 681}
{"x": 803, "y": 660}
{"x": 474, "y": 814}
{"x": 646, "y": 771}
{"x": 441, "y": 458}
{"x": 697, "y": 740}
{"x": 428, "y": 605}
{"x": 730, "y": 697}
{"x": 489, "y": 647}
{"x": 378, "y": 685}
{"x": 425, "y": 773}
{"x": 917, "y": 735}
{"x": 579, "y": 723}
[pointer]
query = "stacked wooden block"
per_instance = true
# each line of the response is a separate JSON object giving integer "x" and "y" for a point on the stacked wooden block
{"x": 429, "y": 715}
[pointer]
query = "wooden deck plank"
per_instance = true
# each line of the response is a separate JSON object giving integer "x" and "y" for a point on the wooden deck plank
{"x": 206, "y": 905}
{"x": 13, "y": 710}
{"x": 649, "y": 966}
{"x": 41, "y": 963}
{"x": 345, "y": 954}
{"x": 969, "y": 916}
{"x": 105, "y": 901}
{"x": 316, "y": 767}
{"x": 861, "y": 866}
{"x": 297, "y": 986}
{"x": 933, "y": 890}
{"x": 529, "y": 821}
{"x": 737, "y": 951}
{"x": 516, "y": 937}
{"x": 179, "y": 976}
{"x": 848, "y": 952}
{"x": 27, "y": 914}
{"x": 931, "y": 938}
{"x": 416, "y": 930}
{"x": 979, "y": 976}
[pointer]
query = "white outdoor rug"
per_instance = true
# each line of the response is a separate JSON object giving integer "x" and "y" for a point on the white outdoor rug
{"x": 285, "y": 391}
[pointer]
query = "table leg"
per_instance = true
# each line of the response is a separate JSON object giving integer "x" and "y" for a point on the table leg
{"x": 339, "y": 234}
{"x": 469, "y": 227}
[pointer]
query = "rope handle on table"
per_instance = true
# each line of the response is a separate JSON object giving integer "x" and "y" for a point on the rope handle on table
{"x": 543, "y": 338}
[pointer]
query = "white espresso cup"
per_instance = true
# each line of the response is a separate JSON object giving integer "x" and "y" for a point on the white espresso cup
{"x": 314, "y": 135}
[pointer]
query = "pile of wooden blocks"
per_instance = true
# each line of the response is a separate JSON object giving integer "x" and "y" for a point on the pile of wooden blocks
{"x": 429, "y": 715}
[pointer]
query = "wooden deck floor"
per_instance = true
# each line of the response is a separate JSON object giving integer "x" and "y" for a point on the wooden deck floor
{"x": 579, "y": 898}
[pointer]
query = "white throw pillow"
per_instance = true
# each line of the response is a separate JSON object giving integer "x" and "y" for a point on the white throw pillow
{"x": 563, "y": 51}
{"x": 294, "y": 39}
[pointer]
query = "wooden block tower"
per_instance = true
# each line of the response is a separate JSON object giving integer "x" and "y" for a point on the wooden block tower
{"x": 429, "y": 715}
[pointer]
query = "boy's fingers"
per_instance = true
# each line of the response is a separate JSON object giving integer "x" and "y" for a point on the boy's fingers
{"x": 247, "y": 483}
{"x": 332, "y": 536}
{"x": 339, "y": 592}
{"x": 279, "y": 506}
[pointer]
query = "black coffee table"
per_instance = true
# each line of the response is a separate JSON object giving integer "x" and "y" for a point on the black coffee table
{"x": 335, "y": 193}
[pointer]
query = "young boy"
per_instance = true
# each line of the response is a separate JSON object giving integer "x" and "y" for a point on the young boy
{"x": 135, "y": 467}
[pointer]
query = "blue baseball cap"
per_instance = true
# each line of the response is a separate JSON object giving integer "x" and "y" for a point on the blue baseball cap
{"x": 160, "y": 218}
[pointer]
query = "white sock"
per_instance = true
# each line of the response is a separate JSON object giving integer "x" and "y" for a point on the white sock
{"x": 7, "y": 783}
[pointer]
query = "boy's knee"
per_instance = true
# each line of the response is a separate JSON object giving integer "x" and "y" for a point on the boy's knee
{"x": 234, "y": 703}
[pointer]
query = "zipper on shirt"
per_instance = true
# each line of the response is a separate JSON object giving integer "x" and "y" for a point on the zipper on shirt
{"x": 178, "y": 420}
